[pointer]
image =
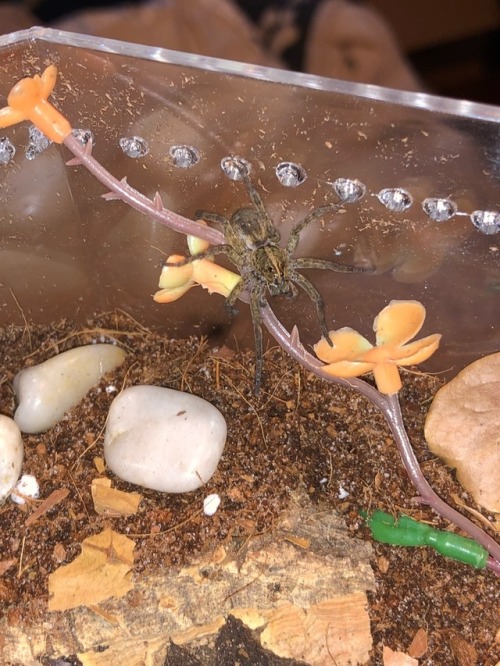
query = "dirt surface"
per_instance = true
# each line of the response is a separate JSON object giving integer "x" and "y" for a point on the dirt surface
{"x": 300, "y": 432}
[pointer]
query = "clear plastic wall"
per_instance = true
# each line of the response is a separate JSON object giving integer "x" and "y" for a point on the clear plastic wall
{"x": 423, "y": 174}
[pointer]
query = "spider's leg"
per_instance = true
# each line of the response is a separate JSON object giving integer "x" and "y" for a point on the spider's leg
{"x": 293, "y": 239}
{"x": 255, "y": 304}
{"x": 317, "y": 299}
{"x": 211, "y": 252}
{"x": 233, "y": 296}
{"x": 255, "y": 197}
{"x": 211, "y": 217}
{"x": 309, "y": 262}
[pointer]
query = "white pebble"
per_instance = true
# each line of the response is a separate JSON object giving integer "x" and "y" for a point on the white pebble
{"x": 342, "y": 494}
{"x": 163, "y": 439}
{"x": 45, "y": 392}
{"x": 211, "y": 504}
{"x": 11, "y": 455}
{"x": 27, "y": 486}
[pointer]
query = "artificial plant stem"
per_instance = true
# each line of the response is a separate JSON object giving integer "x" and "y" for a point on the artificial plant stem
{"x": 120, "y": 189}
{"x": 395, "y": 420}
{"x": 389, "y": 406}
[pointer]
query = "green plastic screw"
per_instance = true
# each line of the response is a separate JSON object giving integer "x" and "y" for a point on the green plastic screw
{"x": 404, "y": 531}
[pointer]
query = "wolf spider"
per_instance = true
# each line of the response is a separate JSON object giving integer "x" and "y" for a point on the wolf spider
{"x": 253, "y": 247}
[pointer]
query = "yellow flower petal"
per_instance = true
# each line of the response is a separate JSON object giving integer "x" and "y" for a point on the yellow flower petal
{"x": 398, "y": 322}
{"x": 215, "y": 278}
{"x": 175, "y": 276}
{"x": 348, "y": 345}
{"x": 197, "y": 245}
{"x": 387, "y": 377}
{"x": 347, "y": 369}
{"x": 379, "y": 354}
{"x": 419, "y": 351}
{"x": 171, "y": 295}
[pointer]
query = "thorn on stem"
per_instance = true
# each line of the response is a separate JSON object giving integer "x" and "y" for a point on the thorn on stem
{"x": 157, "y": 202}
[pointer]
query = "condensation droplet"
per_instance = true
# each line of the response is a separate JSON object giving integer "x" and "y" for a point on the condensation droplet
{"x": 290, "y": 174}
{"x": 395, "y": 198}
{"x": 38, "y": 142}
{"x": 134, "y": 146}
{"x": 439, "y": 210}
{"x": 7, "y": 150}
{"x": 184, "y": 156}
{"x": 234, "y": 166}
{"x": 349, "y": 190}
{"x": 487, "y": 221}
{"x": 84, "y": 136}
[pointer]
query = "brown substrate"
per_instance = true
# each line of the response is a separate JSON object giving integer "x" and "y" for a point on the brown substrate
{"x": 300, "y": 433}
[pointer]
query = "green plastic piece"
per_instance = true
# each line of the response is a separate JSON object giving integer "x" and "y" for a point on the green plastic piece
{"x": 404, "y": 531}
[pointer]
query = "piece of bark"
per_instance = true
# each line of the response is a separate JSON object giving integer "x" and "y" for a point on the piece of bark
{"x": 190, "y": 605}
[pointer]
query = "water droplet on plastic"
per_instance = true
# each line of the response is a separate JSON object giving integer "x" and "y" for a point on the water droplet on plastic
{"x": 487, "y": 221}
{"x": 439, "y": 210}
{"x": 134, "y": 146}
{"x": 349, "y": 190}
{"x": 38, "y": 142}
{"x": 290, "y": 174}
{"x": 7, "y": 150}
{"x": 233, "y": 167}
{"x": 184, "y": 156}
{"x": 395, "y": 199}
{"x": 84, "y": 136}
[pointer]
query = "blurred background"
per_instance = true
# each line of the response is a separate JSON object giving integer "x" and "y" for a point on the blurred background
{"x": 450, "y": 47}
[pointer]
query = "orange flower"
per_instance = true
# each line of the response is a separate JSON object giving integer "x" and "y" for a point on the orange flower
{"x": 353, "y": 355}
{"x": 28, "y": 101}
{"x": 175, "y": 281}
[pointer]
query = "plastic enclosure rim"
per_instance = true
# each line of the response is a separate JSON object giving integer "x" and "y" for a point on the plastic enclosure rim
{"x": 419, "y": 100}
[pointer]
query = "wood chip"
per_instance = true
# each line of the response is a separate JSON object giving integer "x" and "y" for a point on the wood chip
{"x": 54, "y": 498}
{"x": 464, "y": 653}
{"x": 6, "y": 564}
{"x": 113, "y": 502}
{"x": 418, "y": 646}
{"x": 393, "y": 658}
{"x": 101, "y": 571}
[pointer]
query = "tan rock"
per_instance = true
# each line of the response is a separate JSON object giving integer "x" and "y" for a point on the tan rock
{"x": 463, "y": 428}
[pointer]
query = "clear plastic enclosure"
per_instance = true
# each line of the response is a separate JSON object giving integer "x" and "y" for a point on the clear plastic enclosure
{"x": 422, "y": 172}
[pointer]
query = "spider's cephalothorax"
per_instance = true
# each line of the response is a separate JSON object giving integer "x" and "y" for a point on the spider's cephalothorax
{"x": 253, "y": 247}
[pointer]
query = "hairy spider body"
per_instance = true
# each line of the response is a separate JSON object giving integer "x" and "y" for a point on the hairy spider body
{"x": 253, "y": 247}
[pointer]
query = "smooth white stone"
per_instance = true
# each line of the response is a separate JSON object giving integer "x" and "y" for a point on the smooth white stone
{"x": 45, "y": 392}
{"x": 163, "y": 439}
{"x": 11, "y": 455}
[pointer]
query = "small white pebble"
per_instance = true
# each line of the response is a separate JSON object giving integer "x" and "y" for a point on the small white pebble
{"x": 111, "y": 389}
{"x": 211, "y": 504}
{"x": 27, "y": 486}
{"x": 342, "y": 493}
{"x": 324, "y": 480}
